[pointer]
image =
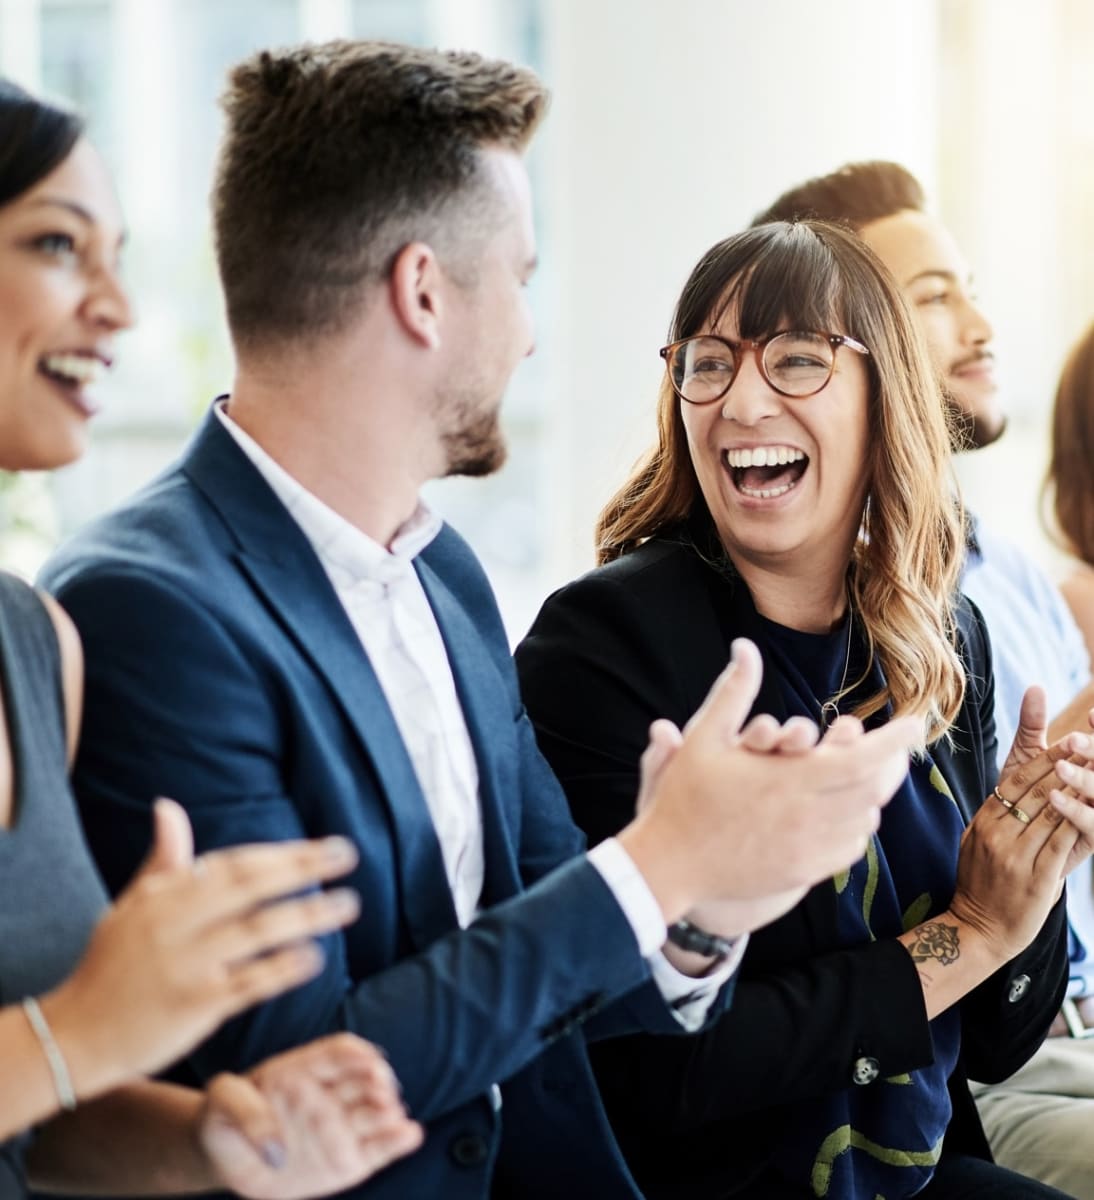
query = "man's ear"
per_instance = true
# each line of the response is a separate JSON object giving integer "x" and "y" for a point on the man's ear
{"x": 415, "y": 286}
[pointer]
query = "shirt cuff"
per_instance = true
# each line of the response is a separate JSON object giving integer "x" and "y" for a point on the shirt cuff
{"x": 687, "y": 995}
{"x": 633, "y": 893}
{"x": 690, "y": 996}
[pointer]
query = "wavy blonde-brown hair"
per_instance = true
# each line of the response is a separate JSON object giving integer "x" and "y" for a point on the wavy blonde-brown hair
{"x": 1068, "y": 486}
{"x": 906, "y": 563}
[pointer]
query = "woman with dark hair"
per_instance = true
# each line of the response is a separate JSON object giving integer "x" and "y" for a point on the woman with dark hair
{"x": 1068, "y": 486}
{"x": 92, "y": 996}
{"x": 799, "y": 495}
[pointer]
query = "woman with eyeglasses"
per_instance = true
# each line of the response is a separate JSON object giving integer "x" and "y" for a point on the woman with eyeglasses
{"x": 799, "y": 494}
{"x": 93, "y": 996}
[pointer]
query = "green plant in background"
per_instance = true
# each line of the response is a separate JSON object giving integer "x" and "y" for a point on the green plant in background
{"x": 28, "y": 521}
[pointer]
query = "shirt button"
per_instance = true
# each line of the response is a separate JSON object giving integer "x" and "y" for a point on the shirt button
{"x": 468, "y": 1150}
{"x": 1019, "y": 985}
{"x": 865, "y": 1070}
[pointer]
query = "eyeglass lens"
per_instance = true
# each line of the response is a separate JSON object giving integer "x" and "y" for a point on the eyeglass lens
{"x": 796, "y": 364}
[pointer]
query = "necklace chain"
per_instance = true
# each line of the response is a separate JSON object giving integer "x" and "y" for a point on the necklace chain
{"x": 829, "y": 710}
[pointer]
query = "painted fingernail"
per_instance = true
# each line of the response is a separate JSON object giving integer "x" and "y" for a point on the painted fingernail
{"x": 310, "y": 957}
{"x": 273, "y": 1154}
{"x": 339, "y": 850}
{"x": 344, "y": 902}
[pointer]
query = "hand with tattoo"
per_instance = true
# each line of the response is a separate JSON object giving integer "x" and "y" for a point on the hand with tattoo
{"x": 935, "y": 942}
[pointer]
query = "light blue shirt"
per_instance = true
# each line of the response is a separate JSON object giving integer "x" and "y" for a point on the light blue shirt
{"x": 1034, "y": 639}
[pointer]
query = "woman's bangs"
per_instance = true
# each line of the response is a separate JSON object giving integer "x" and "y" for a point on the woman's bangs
{"x": 793, "y": 286}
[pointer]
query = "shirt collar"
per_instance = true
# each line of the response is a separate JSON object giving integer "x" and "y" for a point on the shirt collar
{"x": 338, "y": 543}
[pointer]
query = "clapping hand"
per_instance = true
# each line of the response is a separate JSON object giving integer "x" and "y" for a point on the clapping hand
{"x": 1034, "y": 829}
{"x": 807, "y": 809}
{"x": 309, "y": 1122}
{"x": 191, "y": 942}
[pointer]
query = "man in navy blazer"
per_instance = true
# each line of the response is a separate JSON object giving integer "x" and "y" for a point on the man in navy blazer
{"x": 281, "y": 636}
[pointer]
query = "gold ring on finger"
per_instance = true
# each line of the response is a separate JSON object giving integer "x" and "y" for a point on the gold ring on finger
{"x": 1001, "y": 798}
{"x": 1020, "y": 813}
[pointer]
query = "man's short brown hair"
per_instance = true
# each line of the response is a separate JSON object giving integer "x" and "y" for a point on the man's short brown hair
{"x": 335, "y": 156}
{"x": 854, "y": 195}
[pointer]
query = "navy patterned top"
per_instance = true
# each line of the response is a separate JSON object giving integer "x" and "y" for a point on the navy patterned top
{"x": 862, "y": 1143}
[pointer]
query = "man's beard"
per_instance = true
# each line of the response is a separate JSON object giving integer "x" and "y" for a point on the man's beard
{"x": 970, "y": 432}
{"x": 474, "y": 445}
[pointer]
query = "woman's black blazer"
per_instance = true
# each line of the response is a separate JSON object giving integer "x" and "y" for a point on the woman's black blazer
{"x": 645, "y": 637}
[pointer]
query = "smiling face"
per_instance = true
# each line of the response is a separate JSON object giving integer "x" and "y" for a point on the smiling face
{"x": 61, "y": 305}
{"x": 937, "y": 283}
{"x": 784, "y": 479}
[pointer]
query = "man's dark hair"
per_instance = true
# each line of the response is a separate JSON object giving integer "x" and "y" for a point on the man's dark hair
{"x": 854, "y": 195}
{"x": 338, "y": 155}
{"x": 35, "y": 137}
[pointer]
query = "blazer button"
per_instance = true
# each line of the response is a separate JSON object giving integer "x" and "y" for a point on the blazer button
{"x": 865, "y": 1070}
{"x": 468, "y": 1150}
{"x": 1019, "y": 985}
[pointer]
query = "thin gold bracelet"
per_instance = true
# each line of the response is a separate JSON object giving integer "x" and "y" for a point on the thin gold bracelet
{"x": 58, "y": 1068}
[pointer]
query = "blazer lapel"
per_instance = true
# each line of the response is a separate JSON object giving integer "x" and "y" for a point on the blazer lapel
{"x": 485, "y": 703}
{"x": 281, "y": 566}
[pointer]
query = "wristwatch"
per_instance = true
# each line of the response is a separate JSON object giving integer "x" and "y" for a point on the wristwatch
{"x": 690, "y": 937}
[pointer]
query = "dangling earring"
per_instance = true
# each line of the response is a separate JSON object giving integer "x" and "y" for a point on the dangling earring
{"x": 864, "y": 524}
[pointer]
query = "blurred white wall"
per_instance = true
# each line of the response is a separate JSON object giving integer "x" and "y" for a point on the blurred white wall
{"x": 672, "y": 125}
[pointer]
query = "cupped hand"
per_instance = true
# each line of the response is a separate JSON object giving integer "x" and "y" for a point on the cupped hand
{"x": 762, "y": 735}
{"x": 1051, "y": 781}
{"x": 312, "y": 1121}
{"x": 190, "y": 943}
{"x": 1018, "y": 848}
{"x": 723, "y": 821}
{"x": 1009, "y": 874}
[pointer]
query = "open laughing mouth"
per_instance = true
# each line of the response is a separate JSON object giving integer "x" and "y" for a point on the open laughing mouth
{"x": 767, "y": 471}
{"x": 74, "y": 374}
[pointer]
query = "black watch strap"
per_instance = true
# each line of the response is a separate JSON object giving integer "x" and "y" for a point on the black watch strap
{"x": 690, "y": 937}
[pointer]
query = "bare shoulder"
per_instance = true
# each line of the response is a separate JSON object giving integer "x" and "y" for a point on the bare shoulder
{"x": 72, "y": 669}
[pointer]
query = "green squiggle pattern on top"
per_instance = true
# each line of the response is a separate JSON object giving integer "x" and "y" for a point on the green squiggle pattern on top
{"x": 938, "y": 782}
{"x": 916, "y": 912}
{"x": 870, "y": 890}
{"x": 845, "y": 1138}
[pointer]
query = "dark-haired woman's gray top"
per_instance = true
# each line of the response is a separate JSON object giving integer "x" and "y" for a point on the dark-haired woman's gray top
{"x": 50, "y": 894}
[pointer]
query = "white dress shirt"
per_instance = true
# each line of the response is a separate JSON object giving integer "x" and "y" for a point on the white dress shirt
{"x": 388, "y": 608}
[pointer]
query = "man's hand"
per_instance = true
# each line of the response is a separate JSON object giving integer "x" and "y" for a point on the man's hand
{"x": 763, "y": 735}
{"x": 309, "y": 1122}
{"x": 721, "y": 820}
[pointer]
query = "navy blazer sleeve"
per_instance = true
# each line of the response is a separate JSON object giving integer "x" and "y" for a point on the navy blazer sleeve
{"x": 179, "y": 703}
{"x": 605, "y": 657}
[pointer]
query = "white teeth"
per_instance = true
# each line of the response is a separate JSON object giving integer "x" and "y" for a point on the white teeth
{"x": 767, "y": 493}
{"x": 764, "y": 456}
{"x": 79, "y": 368}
